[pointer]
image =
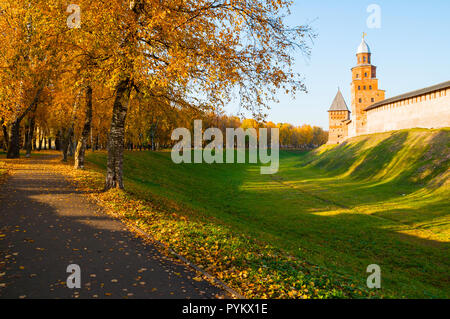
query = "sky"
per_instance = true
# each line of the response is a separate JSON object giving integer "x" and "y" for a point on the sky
{"x": 411, "y": 50}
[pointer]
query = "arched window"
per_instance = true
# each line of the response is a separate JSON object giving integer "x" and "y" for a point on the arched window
{"x": 365, "y": 74}
{"x": 360, "y": 100}
{"x": 359, "y": 88}
{"x": 365, "y": 87}
{"x": 370, "y": 87}
{"x": 364, "y": 59}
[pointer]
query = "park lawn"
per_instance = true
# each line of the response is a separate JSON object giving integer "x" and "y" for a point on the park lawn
{"x": 380, "y": 199}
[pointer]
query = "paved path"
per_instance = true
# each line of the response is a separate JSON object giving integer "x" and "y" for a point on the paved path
{"x": 46, "y": 225}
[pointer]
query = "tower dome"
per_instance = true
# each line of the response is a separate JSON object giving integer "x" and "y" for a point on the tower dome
{"x": 363, "y": 47}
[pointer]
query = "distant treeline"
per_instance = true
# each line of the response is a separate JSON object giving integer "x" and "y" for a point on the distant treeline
{"x": 153, "y": 130}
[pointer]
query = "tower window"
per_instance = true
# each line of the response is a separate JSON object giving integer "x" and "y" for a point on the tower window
{"x": 357, "y": 76}
{"x": 364, "y": 87}
{"x": 360, "y": 100}
{"x": 364, "y": 59}
{"x": 365, "y": 74}
{"x": 359, "y": 88}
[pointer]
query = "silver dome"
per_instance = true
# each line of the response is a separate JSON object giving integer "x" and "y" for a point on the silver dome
{"x": 363, "y": 48}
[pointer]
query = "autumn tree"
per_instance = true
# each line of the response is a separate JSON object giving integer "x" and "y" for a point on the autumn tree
{"x": 286, "y": 132}
{"x": 175, "y": 58}
{"x": 304, "y": 135}
{"x": 194, "y": 48}
{"x": 30, "y": 31}
{"x": 152, "y": 118}
{"x": 320, "y": 136}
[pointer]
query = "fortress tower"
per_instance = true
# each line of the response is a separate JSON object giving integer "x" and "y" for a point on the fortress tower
{"x": 338, "y": 116}
{"x": 372, "y": 113}
{"x": 364, "y": 89}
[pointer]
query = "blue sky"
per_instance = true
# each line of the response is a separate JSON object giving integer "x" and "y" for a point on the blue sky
{"x": 411, "y": 51}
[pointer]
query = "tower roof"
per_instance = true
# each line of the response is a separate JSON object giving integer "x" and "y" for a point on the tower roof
{"x": 338, "y": 103}
{"x": 363, "y": 47}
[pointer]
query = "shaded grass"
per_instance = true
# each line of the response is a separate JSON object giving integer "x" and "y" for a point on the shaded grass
{"x": 379, "y": 199}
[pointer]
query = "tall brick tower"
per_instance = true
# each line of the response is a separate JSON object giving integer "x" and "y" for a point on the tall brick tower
{"x": 364, "y": 89}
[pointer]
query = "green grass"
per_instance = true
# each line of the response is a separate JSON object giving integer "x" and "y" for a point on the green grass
{"x": 380, "y": 199}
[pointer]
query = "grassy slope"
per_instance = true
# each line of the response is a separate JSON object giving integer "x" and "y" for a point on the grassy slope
{"x": 380, "y": 199}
